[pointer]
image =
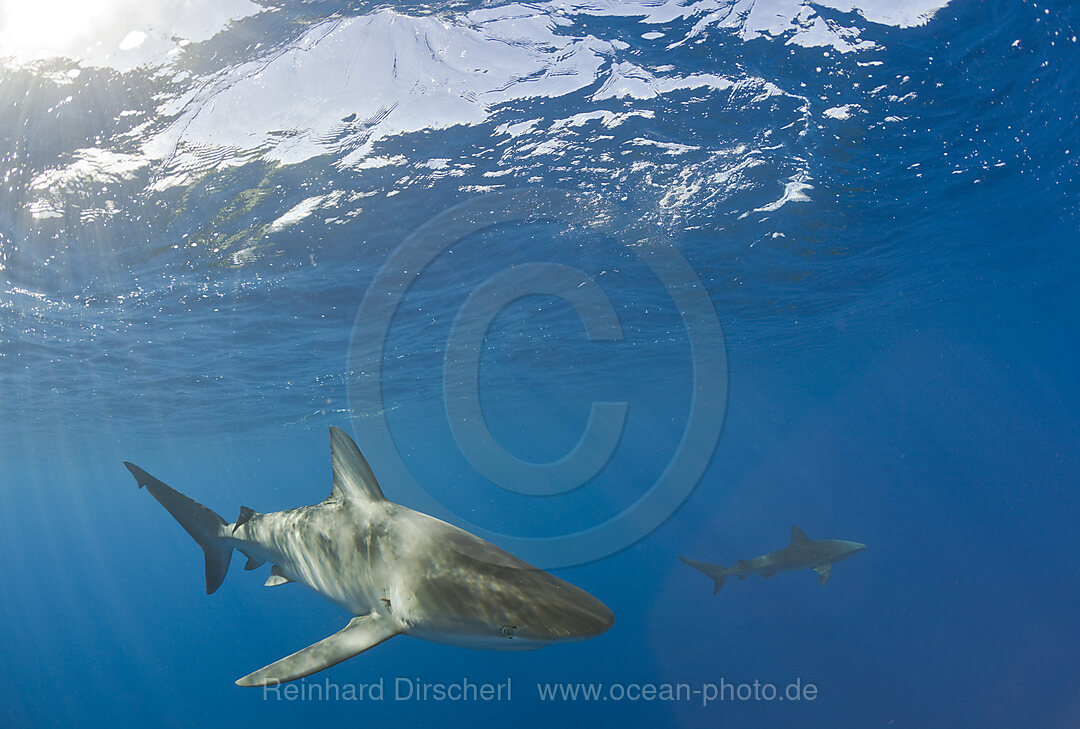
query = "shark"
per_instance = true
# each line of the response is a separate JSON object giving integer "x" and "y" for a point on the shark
{"x": 801, "y": 554}
{"x": 395, "y": 570}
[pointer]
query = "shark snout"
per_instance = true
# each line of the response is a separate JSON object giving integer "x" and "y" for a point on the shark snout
{"x": 580, "y": 617}
{"x": 849, "y": 548}
{"x": 598, "y": 619}
{"x": 558, "y": 612}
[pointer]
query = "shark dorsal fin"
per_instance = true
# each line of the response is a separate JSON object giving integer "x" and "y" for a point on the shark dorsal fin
{"x": 353, "y": 479}
{"x": 797, "y": 536}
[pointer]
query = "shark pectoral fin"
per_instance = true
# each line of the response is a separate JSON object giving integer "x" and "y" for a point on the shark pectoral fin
{"x": 363, "y": 632}
{"x": 823, "y": 572}
{"x": 276, "y": 577}
{"x": 767, "y": 575}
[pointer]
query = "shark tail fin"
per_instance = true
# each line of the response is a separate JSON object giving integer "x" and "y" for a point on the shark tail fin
{"x": 204, "y": 526}
{"x": 719, "y": 573}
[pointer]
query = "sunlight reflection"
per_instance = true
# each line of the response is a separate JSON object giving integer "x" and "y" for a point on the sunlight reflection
{"x": 121, "y": 34}
{"x": 50, "y": 27}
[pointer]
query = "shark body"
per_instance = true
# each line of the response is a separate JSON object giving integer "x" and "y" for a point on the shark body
{"x": 801, "y": 554}
{"x": 396, "y": 570}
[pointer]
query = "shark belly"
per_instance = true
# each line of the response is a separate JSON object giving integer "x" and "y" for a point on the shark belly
{"x": 455, "y": 636}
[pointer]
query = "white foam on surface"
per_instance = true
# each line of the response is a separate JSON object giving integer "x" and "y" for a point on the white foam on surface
{"x": 794, "y": 191}
{"x": 388, "y": 74}
{"x": 346, "y": 84}
{"x": 298, "y": 212}
{"x": 841, "y": 112}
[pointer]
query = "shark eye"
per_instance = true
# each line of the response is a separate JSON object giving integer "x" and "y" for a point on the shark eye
{"x": 508, "y": 630}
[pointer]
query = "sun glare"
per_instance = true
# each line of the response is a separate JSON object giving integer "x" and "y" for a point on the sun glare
{"x": 33, "y": 30}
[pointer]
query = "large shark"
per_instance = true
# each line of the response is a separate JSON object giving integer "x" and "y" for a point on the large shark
{"x": 397, "y": 570}
{"x": 802, "y": 554}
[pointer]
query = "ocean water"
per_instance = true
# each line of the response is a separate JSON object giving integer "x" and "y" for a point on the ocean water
{"x": 604, "y": 282}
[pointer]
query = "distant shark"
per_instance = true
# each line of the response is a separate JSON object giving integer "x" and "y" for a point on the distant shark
{"x": 801, "y": 554}
{"x": 397, "y": 570}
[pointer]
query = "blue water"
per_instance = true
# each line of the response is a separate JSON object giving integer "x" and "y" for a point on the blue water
{"x": 879, "y": 212}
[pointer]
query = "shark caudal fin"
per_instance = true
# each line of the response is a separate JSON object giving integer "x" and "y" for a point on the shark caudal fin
{"x": 204, "y": 526}
{"x": 719, "y": 573}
